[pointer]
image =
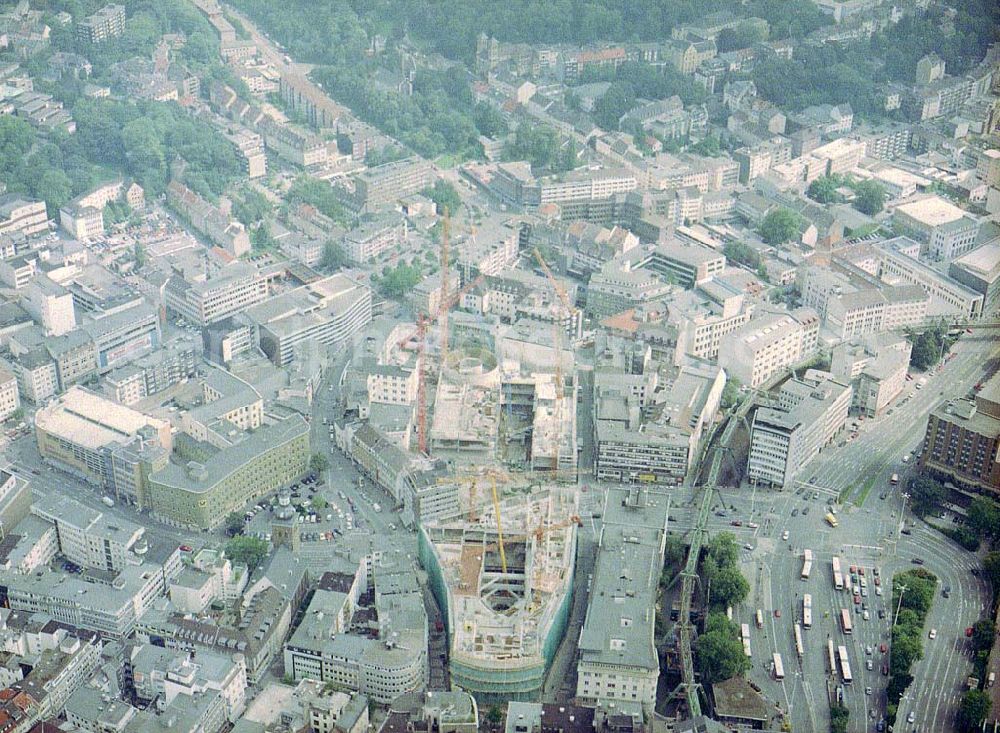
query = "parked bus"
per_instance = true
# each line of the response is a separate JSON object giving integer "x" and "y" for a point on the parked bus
{"x": 831, "y": 520}
{"x": 807, "y": 564}
{"x": 807, "y": 611}
{"x": 760, "y": 619}
{"x": 845, "y": 665}
{"x": 845, "y": 621}
{"x": 779, "y": 668}
{"x": 831, "y": 656}
{"x": 798, "y": 641}
{"x": 838, "y": 578}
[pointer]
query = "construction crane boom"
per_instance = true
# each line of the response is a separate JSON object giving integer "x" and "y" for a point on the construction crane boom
{"x": 445, "y": 264}
{"x": 496, "y": 509}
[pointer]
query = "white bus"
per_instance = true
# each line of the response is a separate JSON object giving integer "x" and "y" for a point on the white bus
{"x": 831, "y": 656}
{"x": 746, "y": 648}
{"x": 779, "y": 668}
{"x": 807, "y": 611}
{"x": 807, "y": 564}
{"x": 798, "y": 641}
{"x": 760, "y": 619}
{"x": 838, "y": 578}
{"x": 845, "y": 665}
{"x": 845, "y": 621}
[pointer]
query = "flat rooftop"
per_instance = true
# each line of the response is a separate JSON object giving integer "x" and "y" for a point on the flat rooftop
{"x": 932, "y": 211}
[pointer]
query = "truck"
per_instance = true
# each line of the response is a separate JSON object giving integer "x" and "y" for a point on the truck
{"x": 107, "y": 501}
{"x": 831, "y": 520}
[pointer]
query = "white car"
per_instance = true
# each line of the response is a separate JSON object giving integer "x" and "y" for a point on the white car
{"x": 933, "y": 634}
{"x": 911, "y": 717}
{"x": 784, "y": 535}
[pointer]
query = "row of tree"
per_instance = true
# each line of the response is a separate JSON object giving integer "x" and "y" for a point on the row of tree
{"x": 718, "y": 649}
{"x": 869, "y": 196}
{"x": 912, "y": 593}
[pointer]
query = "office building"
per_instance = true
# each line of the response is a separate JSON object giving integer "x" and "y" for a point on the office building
{"x": 10, "y": 398}
{"x": 206, "y": 300}
{"x": 962, "y": 442}
{"x": 381, "y": 234}
{"x": 769, "y": 344}
{"x": 784, "y": 439}
{"x": 944, "y": 230}
{"x": 51, "y": 305}
{"x": 380, "y": 187}
{"x": 617, "y": 659}
{"x": 876, "y": 366}
{"x": 980, "y": 271}
{"x": 87, "y": 536}
{"x": 897, "y": 263}
{"x": 328, "y": 311}
{"x": 19, "y": 214}
{"x": 125, "y": 335}
{"x": 618, "y": 287}
{"x": 200, "y": 493}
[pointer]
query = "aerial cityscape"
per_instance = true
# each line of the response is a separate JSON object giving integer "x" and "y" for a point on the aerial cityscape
{"x": 453, "y": 366}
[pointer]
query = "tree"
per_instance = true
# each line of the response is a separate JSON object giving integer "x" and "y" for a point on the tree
{"x": 973, "y": 710}
{"x": 318, "y": 503}
{"x": 234, "y": 524}
{"x": 250, "y": 551}
{"x": 743, "y": 254}
{"x": 729, "y": 587}
{"x": 869, "y": 197}
{"x": 719, "y": 657}
{"x": 674, "y": 552}
{"x": 906, "y": 649}
{"x": 779, "y": 226}
{"x": 139, "y": 253}
{"x": 398, "y": 281}
{"x": 444, "y": 195}
{"x": 839, "y": 716}
{"x": 319, "y": 463}
{"x": 925, "y": 494}
{"x": 984, "y": 517}
{"x": 333, "y": 257}
{"x": 720, "y": 622}
{"x": 928, "y": 347}
{"x": 489, "y": 120}
{"x": 16, "y": 416}
{"x": 613, "y": 104}
{"x": 724, "y": 549}
{"x": 983, "y": 633}
{"x": 824, "y": 190}
{"x": 494, "y": 715}
{"x": 991, "y": 567}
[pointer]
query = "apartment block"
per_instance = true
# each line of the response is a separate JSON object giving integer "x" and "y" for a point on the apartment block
{"x": 769, "y": 344}
{"x": 297, "y": 146}
{"x": 86, "y": 536}
{"x": 783, "y": 440}
{"x": 383, "y": 185}
{"x": 125, "y": 335}
{"x": 106, "y": 23}
{"x": 876, "y": 367}
{"x": 382, "y": 234}
{"x": 686, "y": 264}
{"x": 216, "y": 223}
{"x": 619, "y": 286}
{"x": 51, "y": 305}
{"x": 962, "y": 442}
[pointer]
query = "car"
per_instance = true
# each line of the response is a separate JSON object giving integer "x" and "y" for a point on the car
{"x": 805, "y": 510}
{"x": 911, "y": 717}
{"x": 861, "y": 571}
{"x": 865, "y": 615}
{"x": 880, "y": 726}
{"x": 946, "y": 592}
{"x": 869, "y": 664}
{"x": 885, "y": 670}
{"x": 917, "y": 560}
{"x": 186, "y": 548}
{"x": 878, "y": 580}
{"x": 932, "y": 634}
{"x": 968, "y": 631}
{"x": 864, "y": 592}
{"x": 853, "y": 569}
{"x": 748, "y": 547}
{"x": 795, "y": 512}
{"x": 868, "y": 691}
{"x": 784, "y": 535}
{"x": 815, "y": 495}
{"x": 857, "y": 599}
{"x": 881, "y": 613}
{"x": 908, "y": 531}
{"x": 777, "y": 613}
{"x": 812, "y": 480}
{"x": 868, "y": 649}
{"x": 878, "y": 590}
{"x": 883, "y": 648}
{"x": 752, "y": 525}
{"x": 736, "y": 523}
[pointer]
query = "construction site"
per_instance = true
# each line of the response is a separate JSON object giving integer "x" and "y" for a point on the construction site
{"x": 503, "y": 578}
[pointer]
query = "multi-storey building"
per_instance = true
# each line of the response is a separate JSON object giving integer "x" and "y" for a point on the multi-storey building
{"x": 944, "y": 230}
{"x": 215, "y": 222}
{"x": 18, "y": 214}
{"x": 371, "y": 239}
{"x": 329, "y": 311}
{"x": 10, "y": 398}
{"x": 74, "y": 357}
{"x": 124, "y": 335}
{"x": 876, "y": 367}
{"x": 962, "y": 443}
{"x": 768, "y": 344}
{"x": 51, "y": 305}
{"x": 618, "y": 287}
{"x": 783, "y": 441}
{"x": 86, "y": 536}
{"x": 106, "y": 23}
{"x": 223, "y": 294}
{"x": 298, "y": 146}
{"x": 617, "y": 658}
{"x": 378, "y": 187}
{"x": 897, "y": 262}
{"x": 202, "y": 493}
{"x": 686, "y": 264}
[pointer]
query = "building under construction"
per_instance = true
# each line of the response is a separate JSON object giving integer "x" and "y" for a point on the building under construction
{"x": 505, "y": 588}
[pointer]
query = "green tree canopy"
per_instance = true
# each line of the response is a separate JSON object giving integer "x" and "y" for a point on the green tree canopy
{"x": 318, "y": 463}
{"x": 869, "y": 197}
{"x": 824, "y": 190}
{"x": 248, "y": 550}
{"x": 984, "y": 632}
{"x": 973, "y": 710}
{"x": 234, "y": 523}
{"x": 333, "y": 257}
{"x": 719, "y": 656}
{"x": 397, "y": 281}
{"x": 925, "y": 494}
{"x": 729, "y": 587}
{"x": 984, "y": 518}
{"x": 445, "y": 196}
{"x": 779, "y": 225}
{"x": 991, "y": 567}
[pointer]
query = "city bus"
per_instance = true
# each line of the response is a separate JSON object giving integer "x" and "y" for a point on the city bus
{"x": 807, "y": 611}
{"x": 807, "y": 564}
{"x": 845, "y": 666}
{"x": 798, "y": 641}
{"x": 779, "y": 668}
{"x": 831, "y": 520}
{"x": 845, "y": 621}
{"x": 760, "y": 619}
{"x": 831, "y": 656}
{"x": 838, "y": 578}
